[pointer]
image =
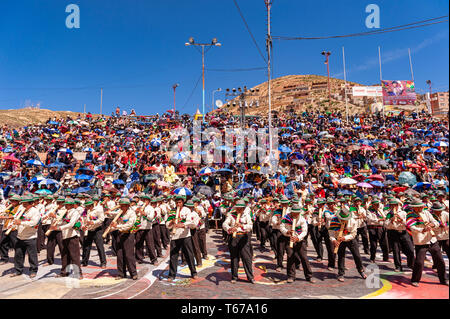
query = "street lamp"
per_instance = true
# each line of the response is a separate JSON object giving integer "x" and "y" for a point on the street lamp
{"x": 203, "y": 45}
{"x": 327, "y": 54}
{"x": 218, "y": 90}
{"x": 242, "y": 94}
{"x": 429, "y": 85}
{"x": 174, "y": 87}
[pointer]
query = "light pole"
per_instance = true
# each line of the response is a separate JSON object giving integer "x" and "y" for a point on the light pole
{"x": 429, "y": 85}
{"x": 327, "y": 54}
{"x": 242, "y": 94}
{"x": 203, "y": 45}
{"x": 218, "y": 90}
{"x": 174, "y": 87}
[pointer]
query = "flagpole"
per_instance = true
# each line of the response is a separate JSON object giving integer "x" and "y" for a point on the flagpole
{"x": 345, "y": 80}
{"x": 381, "y": 77}
{"x": 412, "y": 75}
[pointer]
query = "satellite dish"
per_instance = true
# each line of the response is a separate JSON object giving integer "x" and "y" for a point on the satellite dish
{"x": 219, "y": 103}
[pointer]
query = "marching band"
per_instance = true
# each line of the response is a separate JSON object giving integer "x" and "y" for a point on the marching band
{"x": 142, "y": 226}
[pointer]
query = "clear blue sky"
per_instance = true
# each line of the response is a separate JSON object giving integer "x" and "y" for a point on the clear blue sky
{"x": 135, "y": 49}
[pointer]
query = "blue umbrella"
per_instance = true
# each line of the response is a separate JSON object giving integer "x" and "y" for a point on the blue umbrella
{"x": 441, "y": 144}
{"x": 206, "y": 171}
{"x": 244, "y": 186}
{"x": 43, "y": 191}
{"x": 37, "y": 179}
{"x": 84, "y": 177}
{"x": 182, "y": 191}
{"x": 56, "y": 164}
{"x": 88, "y": 149}
{"x": 65, "y": 150}
{"x": 285, "y": 135}
{"x": 35, "y": 162}
{"x": 377, "y": 183}
{"x": 155, "y": 142}
{"x": 346, "y": 192}
{"x": 407, "y": 178}
{"x": 85, "y": 170}
{"x": 284, "y": 149}
{"x": 422, "y": 185}
{"x": 48, "y": 181}
{"x": 81, "y": 190}
{"x": 224, "y": 170}
{"x": 53, "y": 123}
{"x": 118, "y": 182}
{"x": 8, "y": 150}
{"x": 432, "y": 150}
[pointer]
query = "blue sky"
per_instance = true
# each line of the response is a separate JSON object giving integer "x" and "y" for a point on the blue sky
{"x": 135, "y": 49}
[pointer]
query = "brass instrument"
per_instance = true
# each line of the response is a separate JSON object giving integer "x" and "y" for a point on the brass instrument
{"x": 113, "y": 221}
{"x": 8, "y": 220}
{"x": 237, "y": 222}
{"x": 55, "y": 223}
{"x": 341, "y": 232}
{"x": 16, "y": 217}
{"x": 177, "y": 216}
{"x": 294, "y": 222}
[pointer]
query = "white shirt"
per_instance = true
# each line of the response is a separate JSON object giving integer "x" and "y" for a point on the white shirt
{"x": 191, "y": 221}
{"x": 27, "y": 228}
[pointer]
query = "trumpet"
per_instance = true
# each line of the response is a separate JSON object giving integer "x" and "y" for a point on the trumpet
{"x": 16, "y": 217}
{"x": 116, "y": 218}
{"x": 55, "y": 223}
{"x": 237, "y": 223}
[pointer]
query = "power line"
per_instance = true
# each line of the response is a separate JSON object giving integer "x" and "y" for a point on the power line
{"x": 250, "y": 32}
{"x": 192, "y": 93}
{"x": 413, "y": 25}
{"x": 237, "y": 70}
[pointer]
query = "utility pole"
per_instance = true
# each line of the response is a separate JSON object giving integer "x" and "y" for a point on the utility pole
{"x": 269, "y": 48}
{"x": 174, "y": 88}
{"x": 84, "y": 109}
{"x": 345, "y": 85}
{"x": 327, "y": 54}
{"x": 203, "y": 45}
{"x": 101, "y": 101}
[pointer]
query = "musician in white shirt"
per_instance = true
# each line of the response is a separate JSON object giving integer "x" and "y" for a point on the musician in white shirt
{"x": 180, "y": 226}
{"x": 26, "y": 238}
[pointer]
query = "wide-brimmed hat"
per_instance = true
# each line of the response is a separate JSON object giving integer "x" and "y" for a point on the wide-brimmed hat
{"x": 124, "y": 201}
{"x": 69, "y": 201}
{"x": 178, "y": 197}
{"x": 344, "y": 214}
{"x": 284, "y": 200}
{"x": 88, "y": 202}
{"x": 416, "y": 203}
{"x": 240, "y": 203}
{"x": 394, "y": 201}
{"x": 15, "y": 197}
{"x": 296, "y": 209}
{"x": 189, "y": 203}
{"x": 437, "y": 206}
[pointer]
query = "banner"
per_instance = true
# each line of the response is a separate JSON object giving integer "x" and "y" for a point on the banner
{"x": 398, "y": 92}
{"x": 371, "y": 91}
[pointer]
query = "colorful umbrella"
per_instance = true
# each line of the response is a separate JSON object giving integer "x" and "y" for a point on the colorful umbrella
{"x": 182, "y": 191}
{"x": 206, "y": 171}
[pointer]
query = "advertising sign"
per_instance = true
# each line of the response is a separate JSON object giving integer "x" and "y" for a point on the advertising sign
{"x": 398, "y": 92}
{"x": 371, "y": 91}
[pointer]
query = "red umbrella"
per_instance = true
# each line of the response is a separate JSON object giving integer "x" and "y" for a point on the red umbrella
{"x": 367, "y": 147}
{"x": 383, "y": 145}
{"x": 150, "y": 168}
{"x": 359, "y": 177}
{"x": 399, "y": 189}
{"x": 299, "y": 141}
{"x": 414, "y": 166}
{"x": 11, "y": 158}
{"x": 309, "y": 146}
{"x": 376, "y": 178}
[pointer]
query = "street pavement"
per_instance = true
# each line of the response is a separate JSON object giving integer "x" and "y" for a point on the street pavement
{"x": 214, "y": 277}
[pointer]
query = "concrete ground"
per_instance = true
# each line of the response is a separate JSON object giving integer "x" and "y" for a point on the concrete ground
{"x": 214, "y": 280}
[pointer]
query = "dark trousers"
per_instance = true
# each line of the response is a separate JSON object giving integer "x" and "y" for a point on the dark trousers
{"x": 40, "y": 242}
{"x": 196, "y": 247}
{"x": 280, "y": 246}
{"x": 6, "y": 243}
{"x": 26, "y": 246}
{"x": 353, "y": 246}
{"x": 264, "y": 232}
{"x": 144, "y": 237}
{"x": 224, "y": 233}
{"x": 157, "y": 239}
{"x": 114, "y": 240}
{"x": 185, "y": 244}
{"x": 105, "y": 225}
{"x": 202, "y": 241}
{"x": 165, "y": 239}
{"x": 239, "y": 247}
{"x": 378, "y": 235}
{"x": 401, "y": 242}
{"x": 257, "y": 228}
{"x": 364, "y": 237}
{"x": 323, "y": 234}
{"x": 312, "y": 232}
{"x": 125, "y": 254}
{"x": 421, "y": 251}
{"x": 444, "y": 245}
{"x": 94, "y": 236}
{"x": 298, "y": 252}
{"x": 55, "y": 238}
{"x": 70, "y": 254}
